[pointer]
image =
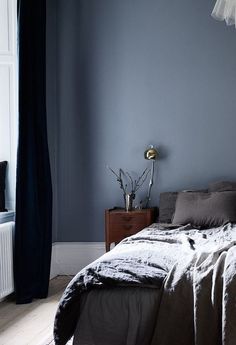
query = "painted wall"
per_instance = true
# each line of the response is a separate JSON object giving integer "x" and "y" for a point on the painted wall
{"x": 52, "y": 112}
{"x": 131, "y": 73}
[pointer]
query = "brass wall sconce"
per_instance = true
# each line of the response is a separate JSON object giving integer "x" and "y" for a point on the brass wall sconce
{"x": 150, "y": 154}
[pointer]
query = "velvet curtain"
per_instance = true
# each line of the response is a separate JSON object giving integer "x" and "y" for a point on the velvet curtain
{"x": 32, "y": 251}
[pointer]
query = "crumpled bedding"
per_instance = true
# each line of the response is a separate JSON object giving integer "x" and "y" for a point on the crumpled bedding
{"x": 120, "y": 316}
{"x": 198, "y": 269}
{"x": 139, "y": 260}
{"x": 199, "y": 295}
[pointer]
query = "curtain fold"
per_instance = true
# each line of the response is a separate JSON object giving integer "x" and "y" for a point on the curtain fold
{"x": 32, "y": 249}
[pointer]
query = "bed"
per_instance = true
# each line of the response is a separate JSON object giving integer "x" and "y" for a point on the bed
{"x": 170, "y": 284}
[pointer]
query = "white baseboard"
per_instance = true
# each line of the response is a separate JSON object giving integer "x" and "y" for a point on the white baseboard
{"x": 68, "y": 258}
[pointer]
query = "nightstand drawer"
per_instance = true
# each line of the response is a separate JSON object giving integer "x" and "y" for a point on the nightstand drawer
{"x": 120, "y": 224}
{"x": 123, "y": 218}
{"x": 117, "y": 236}
{"x": 127, "y": 228}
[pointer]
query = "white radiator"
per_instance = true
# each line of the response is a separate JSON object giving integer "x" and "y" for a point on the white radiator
{"x": 6, "y": 259}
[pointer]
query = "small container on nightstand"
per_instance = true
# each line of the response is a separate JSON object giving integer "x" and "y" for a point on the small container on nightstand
{"x": 120, "y": 224}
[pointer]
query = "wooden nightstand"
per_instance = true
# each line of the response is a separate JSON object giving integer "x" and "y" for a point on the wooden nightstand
{"x": 120, "y": 224}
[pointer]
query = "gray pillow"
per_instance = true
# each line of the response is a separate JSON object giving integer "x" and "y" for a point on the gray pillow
{"x": 205, "y": 209}
{"x": 167, "y": 206}
{"x": 222, "y": 186}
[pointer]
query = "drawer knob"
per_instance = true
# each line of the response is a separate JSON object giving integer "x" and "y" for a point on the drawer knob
{"x": 127, "y": 219}
{"x": 128, "y": 227}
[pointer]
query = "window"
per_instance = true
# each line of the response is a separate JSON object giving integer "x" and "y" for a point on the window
{"x": 8, "y": 94}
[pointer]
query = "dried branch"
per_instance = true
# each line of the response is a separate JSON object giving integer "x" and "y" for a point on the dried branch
{"x": 119, "y": 179}
{"x": 134, "y": 184}
{"x": 141, "y": 179}
{"x": 131, "y": 181}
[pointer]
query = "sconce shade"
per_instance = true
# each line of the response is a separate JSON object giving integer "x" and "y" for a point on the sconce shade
{"x": 151, "y": 153}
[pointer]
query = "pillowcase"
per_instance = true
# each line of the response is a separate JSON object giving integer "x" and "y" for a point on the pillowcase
{"x": 3, "y": 166}
{"x": 222, "y": 186}
{"x": 167, "y": 206}
{"x": 205, "y": 210}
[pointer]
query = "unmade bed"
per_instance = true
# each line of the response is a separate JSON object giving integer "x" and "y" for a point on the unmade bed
{"x": 166, "y": 285}
{"x": 117, "y": 316}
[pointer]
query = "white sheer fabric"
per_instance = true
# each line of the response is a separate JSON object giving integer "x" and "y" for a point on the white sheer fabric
{"x": 225, "y": 10}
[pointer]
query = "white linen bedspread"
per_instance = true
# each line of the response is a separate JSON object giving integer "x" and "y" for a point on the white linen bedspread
{"x": 198, "y": 302}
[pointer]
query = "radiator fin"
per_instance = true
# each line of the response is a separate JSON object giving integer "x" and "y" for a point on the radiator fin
{"x": 6, "y": 259}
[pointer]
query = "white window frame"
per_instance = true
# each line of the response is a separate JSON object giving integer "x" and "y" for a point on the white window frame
{"x": 8, "y": 95}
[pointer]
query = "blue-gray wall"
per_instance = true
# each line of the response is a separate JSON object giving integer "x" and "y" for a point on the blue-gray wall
{"x": 52, "y": 112}
{"x": 131, "y": 73}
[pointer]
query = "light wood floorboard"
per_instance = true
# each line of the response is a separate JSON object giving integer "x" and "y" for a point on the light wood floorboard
{"x": 31, "y": 324}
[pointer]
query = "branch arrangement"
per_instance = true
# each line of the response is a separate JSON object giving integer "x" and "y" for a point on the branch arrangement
{"x": 134, "y": 184}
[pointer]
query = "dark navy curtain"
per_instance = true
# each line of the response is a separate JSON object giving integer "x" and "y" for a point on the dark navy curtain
{"x": 32, "y": 252}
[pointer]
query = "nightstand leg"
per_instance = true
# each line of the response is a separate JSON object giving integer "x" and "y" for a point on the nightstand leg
{"x": 107, "y": 247}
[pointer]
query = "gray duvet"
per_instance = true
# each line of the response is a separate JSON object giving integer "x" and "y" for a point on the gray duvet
{"x": 198, "y": 304}
{"x": 122, "y": 315}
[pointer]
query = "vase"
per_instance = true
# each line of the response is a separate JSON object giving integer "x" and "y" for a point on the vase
{"x": 129, "y": 197}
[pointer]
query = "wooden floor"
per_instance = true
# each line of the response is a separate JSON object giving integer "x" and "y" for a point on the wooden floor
{"x": 31, "y": 324}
